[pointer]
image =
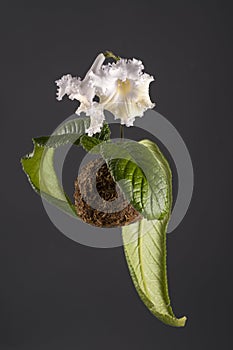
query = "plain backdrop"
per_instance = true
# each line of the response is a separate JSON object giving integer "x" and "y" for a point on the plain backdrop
{"x": 56, "y": 294}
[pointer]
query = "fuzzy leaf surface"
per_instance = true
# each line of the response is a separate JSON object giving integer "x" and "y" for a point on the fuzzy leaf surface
{"x": 140, "y": 175}
{"x": 39, "y": 168}
{"x": 145, "y": 251}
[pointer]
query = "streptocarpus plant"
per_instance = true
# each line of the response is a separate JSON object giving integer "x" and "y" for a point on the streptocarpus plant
{"x": 141, "y": 174}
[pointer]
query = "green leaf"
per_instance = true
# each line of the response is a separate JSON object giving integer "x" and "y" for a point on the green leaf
{"x": 89, "y": 142}
{"x": 57, "y": 140}
{"x": 140, "y": 175}
{"x": 71, "y": 132}
{"x": 104, "y": 134}
{"x": 145, "y": 250}
{"x": 146, "y": 258}
{"x": 74, "y": 126}
{"x": 39, "y": 169}
{"x": 68, "y": 133}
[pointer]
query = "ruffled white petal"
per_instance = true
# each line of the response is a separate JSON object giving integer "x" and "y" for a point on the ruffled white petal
{"x": 67, "y": 85}
{"x": 122, "y": 87}
{"x": 97, "y": 117}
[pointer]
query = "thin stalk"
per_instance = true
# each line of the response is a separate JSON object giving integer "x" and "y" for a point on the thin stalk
{"x": 122, "y": 131}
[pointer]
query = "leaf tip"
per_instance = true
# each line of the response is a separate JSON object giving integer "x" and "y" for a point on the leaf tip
{"x": 182, "y": 321}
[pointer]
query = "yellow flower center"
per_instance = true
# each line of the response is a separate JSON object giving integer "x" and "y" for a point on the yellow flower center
{"x": 123, "y": 87}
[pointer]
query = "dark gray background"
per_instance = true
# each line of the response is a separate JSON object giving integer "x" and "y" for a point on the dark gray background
{"x": 57, "y": 294}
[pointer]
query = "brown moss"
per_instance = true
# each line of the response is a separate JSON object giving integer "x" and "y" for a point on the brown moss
{"x": 101, "y": 203}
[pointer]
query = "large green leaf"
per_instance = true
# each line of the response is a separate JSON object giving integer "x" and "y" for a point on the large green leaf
{"x": 74, "y": 126}
{"x": 145, "y": 250}
{"x": 140, "y": 175}
{"x": 78, "y": 127}
{"x": 39, "y": 166}
{"x": 68, "y": 133}
{"x": 71, "y": 133}
{"x": 39, "y": 169}
{"x": 146, "y": 258}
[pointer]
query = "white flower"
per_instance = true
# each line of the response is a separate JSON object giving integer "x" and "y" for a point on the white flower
{"x": 78, "y": 89}
{"x": 122, "y": 88}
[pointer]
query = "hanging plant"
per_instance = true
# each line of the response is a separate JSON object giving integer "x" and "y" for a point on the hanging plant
{"x": 132, "y": 185}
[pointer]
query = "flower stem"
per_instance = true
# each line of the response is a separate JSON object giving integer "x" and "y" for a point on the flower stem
{"x": 110, "y": 54}
{"x": 122, "y": 131}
